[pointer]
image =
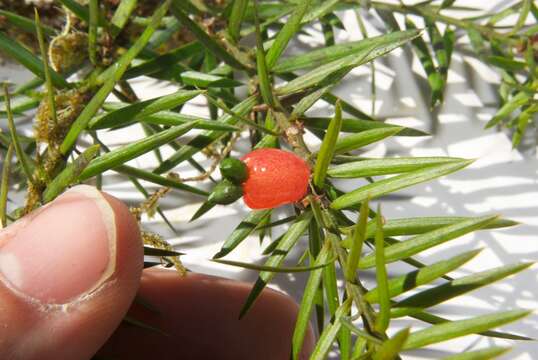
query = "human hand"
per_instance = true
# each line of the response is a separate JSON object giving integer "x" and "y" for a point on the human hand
{"x": 69, "y": 273}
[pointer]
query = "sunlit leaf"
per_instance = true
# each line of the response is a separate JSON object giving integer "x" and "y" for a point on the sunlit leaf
{"x": 325, "y": 55}
{"x": 293, "y": 234}
{"x": 412, "y": 246}
{"x": 425, "y": 275}
{"x": 286, "y": 33}
{"x": 327, "y": 149}
{"x": 390, "y": 349}
{"x": 70, "y": 174}
{"x": 29, "y": 61}
{"x": 395, "y": 183}
{"x": 125, "y": 153}
{"x": 132, "y": 113}
{"x": 458, "y": 328}
{"x": 484, "y": 354}
{"x": 328, "y": 336}
{"x": 244, "y": 229}
{"x": 430, "y": 297}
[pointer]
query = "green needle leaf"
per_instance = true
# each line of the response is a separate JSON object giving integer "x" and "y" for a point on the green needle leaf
{"x": 383, "y": 318}
{"x": 390, "y": 349}
{"x": 24, "y": 23}
{"x": 206, "y": 138}
{"x": 484, "y": 354}
{"x": 121, "y": 16}
{"x": 434, "y": 319}
{"x": 289, "y": 239}
{"x": 523, "y": 14}
{"x": 407, "y": 248}
{"x": 130, "y": 114}
{"x": 329, "y": 334}
{"x": 328, "y": 54}
{"x": 20, "y": 105}
{"x": 202, "y": 80}
{"x": 292, "y": 25}
{"x": 236, "y": 17}
{"x": 29, "y": 60}
{"x": 520, "y": 99}
{"x": 166, "y": 118}
{"x": 386, "y": 166}
{"x": 453, "y": 329}
{"x": 361, "y": 333}
{"x": 48, "y": 80}
{"x": 308, "y": 101}
{"x": 425, "y": 275}
{"x": 169, "y": 118}
{"x": 121, "y": 155}
{"x": 209, "y": 43}
{"x": 261, "y": 64}
{"x": 357, "y": 125}
{"x": 150, "y": 251}
{"x": 279, "y": 269}
{"x": 158, "y": 179}
{"x": 320, "y": 11}
{"x": 112, "y": 74}
{"x": 205, "y": 207}
{"x": 244, "y": 229}
{"x": 70, "y": 174}
{"x": 358, "y": 237}
{"x": 356, "y": 141}
{"x": 414, "y": 226}
{"x": 395, "y": 183}
{"x": 454, "y": 288}
{"x": 442, "y": 53}
{"x": 308, "y": 300}
{"x": 92, "y": 30}
{"x": 4, "y": 185}
{"x": 21, "y": 155}
{"x": 165, "y": 61}
{"x": 435, "y": 79}
{"x": 327, "y": 74}
{"x": 77, "y": 9}
{"x": 326, "y": 151}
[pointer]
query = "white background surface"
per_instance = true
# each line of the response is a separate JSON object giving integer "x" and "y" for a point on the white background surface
{"x": 500, "y": 181}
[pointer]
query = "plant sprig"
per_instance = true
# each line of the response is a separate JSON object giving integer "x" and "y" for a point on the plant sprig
{"x": 267, "y": 93}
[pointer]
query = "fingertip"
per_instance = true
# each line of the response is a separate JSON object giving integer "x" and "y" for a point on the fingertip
{"x": 73, "y": 266}
{"x": 130, "y": 249}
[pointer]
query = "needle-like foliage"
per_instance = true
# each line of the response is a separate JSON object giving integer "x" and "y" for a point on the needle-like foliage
{"x": 233, "y": 54}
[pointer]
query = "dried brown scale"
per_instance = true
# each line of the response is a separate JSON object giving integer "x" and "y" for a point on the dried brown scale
{"x": 521, "y": 48}
{"x": 68, "y": 51}
{"x": 33, "y": 196}
{"x": 158, "y": 242}
{"x": 69, "y": 104}
{"x": 150, "y": 205}
{"x": 53, "y": 158}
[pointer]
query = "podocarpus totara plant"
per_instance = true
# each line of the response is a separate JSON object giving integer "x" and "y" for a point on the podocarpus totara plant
{"x": 205, "y": 48}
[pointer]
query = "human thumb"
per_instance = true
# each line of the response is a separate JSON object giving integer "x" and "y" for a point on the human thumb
{"x": 68, "y": 274}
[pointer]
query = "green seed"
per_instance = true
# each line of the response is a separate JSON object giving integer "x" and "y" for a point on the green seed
{"x": 234, "y": 170}
{"x": 225, "y": 192}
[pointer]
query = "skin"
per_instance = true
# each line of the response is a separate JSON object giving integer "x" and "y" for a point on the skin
{"x": 55, "y": 317}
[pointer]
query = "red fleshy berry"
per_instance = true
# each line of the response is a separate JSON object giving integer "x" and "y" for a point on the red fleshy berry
{"x": 275, "y": 177}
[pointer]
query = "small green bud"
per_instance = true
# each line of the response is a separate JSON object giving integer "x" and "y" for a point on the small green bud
{"x": 234, "y": 169}
{"x": 225, "y": 192}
